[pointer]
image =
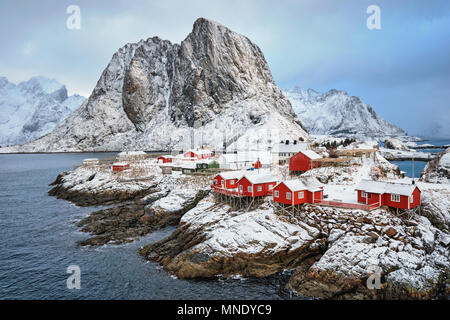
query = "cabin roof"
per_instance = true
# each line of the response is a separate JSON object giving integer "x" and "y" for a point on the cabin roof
{"x": 297, "y": 185}
{"x": 311, "y": 154}
{"x": 227, "y": 175}
{"x": 256, "y": 178}
{"x": 381, "y": 187}
{"x": 293, "y": 185}
{"x": 166, "y": 156}
{"x": 120, "y": 164}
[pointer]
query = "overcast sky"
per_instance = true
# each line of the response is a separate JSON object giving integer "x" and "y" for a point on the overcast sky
{"x": 402, "y": 70}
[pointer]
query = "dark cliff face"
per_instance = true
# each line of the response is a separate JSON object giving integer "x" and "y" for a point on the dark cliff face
{"x": 147, "y": 81}
{"x": 214, "y": 66}
{"x": 194, "y": 81}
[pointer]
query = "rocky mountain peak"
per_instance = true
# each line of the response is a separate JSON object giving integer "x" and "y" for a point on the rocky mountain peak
{"x": 153, "y": 93}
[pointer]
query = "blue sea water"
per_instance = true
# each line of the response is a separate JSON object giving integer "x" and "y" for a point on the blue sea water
{"x": 407, "y": 166}
{"x": 38, "y": 242}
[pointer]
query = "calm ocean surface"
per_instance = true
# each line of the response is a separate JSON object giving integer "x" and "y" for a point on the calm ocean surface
{"x": 38, "y": 242}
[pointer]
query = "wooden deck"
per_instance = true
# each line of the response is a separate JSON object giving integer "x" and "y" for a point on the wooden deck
{"x": 366, "y": 207}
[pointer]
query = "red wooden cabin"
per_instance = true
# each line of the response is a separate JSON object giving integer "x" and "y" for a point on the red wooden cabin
{"x": 120, "y": 166}
{"x": 303, "y": 161}
{"x": 256, "y": 185}
{"x": 396, "y": 195}
{"x": 294, "y": 192}
{"x": 165, "y": 159}
{"x": 227, "y": 180}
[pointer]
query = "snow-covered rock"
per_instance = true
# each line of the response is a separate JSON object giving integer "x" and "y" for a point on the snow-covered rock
{"x": 213, "y": 239}
{"x": 152, "y": 93}
{"x": 336, "y": 113}
{"x": 396, "y": 144}
{"x": 394, "y": 154}
{"x": 438, "y": 169}
{"x": 33, "y": 108}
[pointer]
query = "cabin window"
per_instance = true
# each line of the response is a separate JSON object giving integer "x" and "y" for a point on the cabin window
{"x": 223, "y": 183}
{"x": 288, "y": 195}
{"x": 240, "y": 188}
{"x": 412, "y": 199}
{"x": 363, "y": 194}
{"x": 395, "y": 197}
{"x": 232, "y": 182}
{"x": 301, "y": 194}
{"x": 259, "y": 189}
{"x": 277, "y": 194}
{"x": 215, "y": 181}
{"x": 249, "y": 189}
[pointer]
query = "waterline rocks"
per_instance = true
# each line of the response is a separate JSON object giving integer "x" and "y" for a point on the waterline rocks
{"x": 215, "y": 240}
{"x": 87, "y": 187}
{"x": 125, "y": 223}
{"x": 331, "y": 250}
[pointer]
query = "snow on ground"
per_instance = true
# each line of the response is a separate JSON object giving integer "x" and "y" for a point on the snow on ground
{"x": 142, "y": 174}
{"x": 175, "y": 200}
{"x": 411, "y": 254}
{"x": 373, "y": 167}
{"x": 254, "y": 232}
{"x": 437, "y": 170}
{"x": 342, "y": 193}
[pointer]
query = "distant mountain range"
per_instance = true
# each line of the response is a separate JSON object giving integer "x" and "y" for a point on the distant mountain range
{"x": 338, "y": 114}
{"x": 33, "y": 108}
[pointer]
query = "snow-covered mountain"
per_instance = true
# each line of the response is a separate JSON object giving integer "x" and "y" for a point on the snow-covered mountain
{"x": 152, "y": 93}
{"x": 336, "y": 113}
{"x": 33, "y": 108}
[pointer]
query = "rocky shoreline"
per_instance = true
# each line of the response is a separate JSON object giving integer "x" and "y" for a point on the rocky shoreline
{"x": 331, "y": 264}
{"x": 135, "y": 207}
{"x": 125, "y": 223}
{"x": 92, "y": 197}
